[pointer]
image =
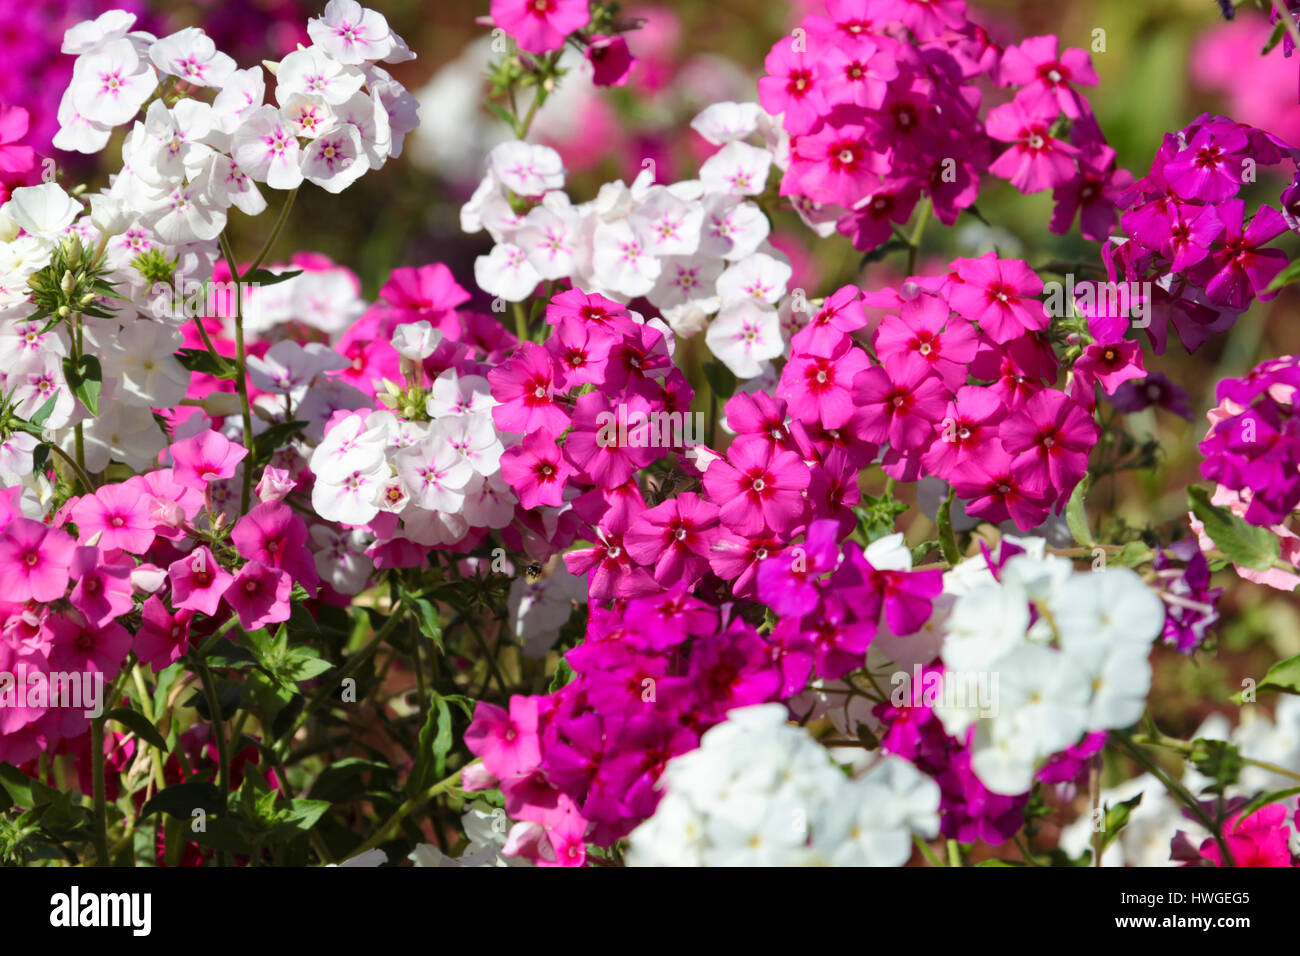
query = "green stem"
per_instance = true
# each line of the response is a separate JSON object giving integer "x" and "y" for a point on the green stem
{"x": 270, "y": 240}
{"x": 100, "y": 794}
{"x": 914, "y": 244}
{"x": 406, "y": 809}
{"x": 954, "y": 853}
{"x": 219, "y": 733}
{"x": 926, "y": 851}
{"x": 241, "y": 375}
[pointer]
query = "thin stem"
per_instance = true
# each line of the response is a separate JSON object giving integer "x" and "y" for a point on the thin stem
{"x": 241, "y": 374}
{"x": 100, "y": 795}
{"x": 401, "y": 813}
{"x": 914, "y": 244}
{"x": 219, "y": 733}
{"x": 80, "y": 471}
{"x": 270, "y": 240}
{"x": 926, "y": 851}
{"x": 954, "y": 853}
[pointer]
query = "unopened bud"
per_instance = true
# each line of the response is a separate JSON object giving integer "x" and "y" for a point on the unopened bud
{"x": 68, "y": 282}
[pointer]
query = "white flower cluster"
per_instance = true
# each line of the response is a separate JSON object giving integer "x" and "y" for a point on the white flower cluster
{"x": 761, "y": 792}
{"x": 1068, "y": 649}
{"x": 441, "y": 477}
{"x": 697, "y": 250}
{"x": 337, "y": 114}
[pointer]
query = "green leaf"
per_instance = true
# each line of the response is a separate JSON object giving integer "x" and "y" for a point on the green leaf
{"x": 721, "y": 380}
{"x": 427, "y": 617}
{"x": 499, "y": 112}
{"x": 947, "y": 538}
{"x": 1077, "y": 517}
{"x": 139, "y": 725}
{"x": 182, "y": 799}
{"x": 1117, "y": 815}
{"x": 876, "y": 515}
{"x": 266, "y": 444}
{"x": 1217, "y": 759}
{"x": 40, "y": 457}
{"x": 1284, "y": 676}
{"x": 201, "y": 360}
{"x": 1244, "y": 544}
{"x": 42, "y": 414}
{"x": 265, "y": 277}
{"x": 1274, "y": 39}
{"x": 562, "y": 676}
{"x": 23, "y": 790}
{"x": 435, "y": 744}
{"x": 1264, "y": 799}
{"x": 86, "y": 379}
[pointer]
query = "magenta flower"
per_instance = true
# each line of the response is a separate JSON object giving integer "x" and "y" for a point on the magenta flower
{"x": 121, "y": 517}
{"x": 15, "y": 158}
{"x": 1051, "y": 437}
{"x": 1036, "y": 160}
{"x": 582, "y": 351}
{"x": 967, "y": 426}
{"x": 34, "y": 561}
{"x": 1241, "y": 270}
{"x": 536, "y": 470}
{"x": 610, "y": 60}
{"x": 428, "y": 293}
{"x": 818, "y": 385}
{"x": 1209, "y": 169}
{"x": 205, "y": 458}
{"x": 1045, "y": 76}
{"x": 992, "y": 490}
{"x": 789, "y": 583}
{"x": 506, "y": 741}
{"x": 1109, "y": 363}
{"x": 899, "y": 402}
{"x": 792, "y": 86}
{"x": 999, "y": 295}
{"x": 586, "y": 308}
{"x": 841, "y": 313}
{"x": 80, "y": 648}
{"x": 608, "y": 445}
{"x": 540, "y": 26}
{"x": 162, "y": 638}
{"x": 1094, "y": 193}
{"x": 103, "y": 588}
{"x": 675, "y": 538}
{"x": 924, "y": 326}
{"x": 272, "y": 534}
{"x": 525, "y": 387}
{"x": 259, "y": 595}
{"x": 758, "y": 488}
{"x": 835, "y": 165}
{"x": 198, "y": 581}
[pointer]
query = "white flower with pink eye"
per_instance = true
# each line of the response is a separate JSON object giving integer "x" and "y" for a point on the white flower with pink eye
{"x": 474, "y": 438}
{"x": 229, "y": 185}
{"x": 620, "y": 262}
{"x": 351, "y": 499}
{"x": 760, "y": 276}
{"x": 738, "y": 169}
{"x": 732, "y": 229}
{"x": 351, "y": 445}
{"x": 340, "y": 558}
{"x": 433, "y": 528}
{"x": 526, "y": 169}
{"x": 686, "y": 292}
{"x": 77, "y": 134}
{"x": 434, "y": 473}
{"x": 506, "y": 272}
{"x": 668, "y": 225}
{"x": 745, "y": 335}
{"x": 335, "y": 160}
{"x": 89, "y": 34}
{"x": 288, "y": 368}
{"x": 352, "y": 34}
{"x": 489, "y": 502}
{"x": 242, "y": 93}
{"x": 364, "y": 111}
{"x": 172, "y": 146}
{"x": 111, "y": 83}
{"x": 723, "y": 123}
{"x": 265, "y": 148}
{"x": 402, "y": 109}
{"x": 16, "y": 458}
{"x": 548, "y": 239}
{"x": 456, "y": 394}
{"x": 313, "y": 72}
{"x": 191, "y": 55}
{"x": 308, "y": 115}
{"x": 186, "y": 214}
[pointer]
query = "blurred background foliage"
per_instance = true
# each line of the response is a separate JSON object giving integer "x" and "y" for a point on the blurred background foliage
{"x": 1161, "y": 63}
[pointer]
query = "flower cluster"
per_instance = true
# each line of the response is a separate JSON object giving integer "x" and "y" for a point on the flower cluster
{"x": 759, "y": 792}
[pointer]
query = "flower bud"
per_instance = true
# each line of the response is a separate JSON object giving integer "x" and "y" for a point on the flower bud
{"x": 275, "y": 485}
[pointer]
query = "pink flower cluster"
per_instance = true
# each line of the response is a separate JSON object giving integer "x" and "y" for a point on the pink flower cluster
{"x": 880, "y": 100}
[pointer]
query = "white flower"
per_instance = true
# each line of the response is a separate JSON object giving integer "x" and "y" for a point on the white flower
{"x": 350, "y": 33}
{"x": 456, "y": 394}
{"x": 620, "y": 262}
{"x": 43, "y": 211}
{"x": 526, "y": 169}
{"x": 1107, "y": 607}
{"x": 685, "y": 292}
{"x": 89, "y": 34}
{"x": 336, "y": 160}
{"x": 722, "y": 123}
{"x": 110, "y": 84}
{"x": 340, "y": 558}
{"x": 489, "y": 502}
{"x": 474, "y": 438}
{"x": 548, "y": 239}
{"x": 434, "y": 473}
{"x": 243, "y": 92}
{"x": 738, "y": 169}
{"x": 186, "y": 213}
{"x": 745, "y": 335}
{"x": 191, "y": 55}
{"x": 506, "y": 272}
{"x": 266, "y": 149}
{"x": 760, "y": 276}
{"x": 312, "y": 71}
{"x": 667, "y": 225}
{"x": 733, "y": 229}
{"x": 416, "y": 341}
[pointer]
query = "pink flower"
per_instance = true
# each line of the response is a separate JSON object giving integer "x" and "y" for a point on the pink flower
{"x": 1260, "y": 839}
{"x": 899, "y": 401}
{"x": 1110, "y": 363}
{"x": 120, "y": 515}
{"x": 14, "y": 158}
{"x": 81, "y": 648}
{"x": 817, "y": 385}
{"x": 259, "y": 595}
{"x": 525, "y": 387}
{"x": 1046, "y": 76}
{"x": 536, "y": 470}
{"x": 198, "y": 581}
{"x": 507, "y": 742}
{"x": 610, "y": 60}
{"x": 206, "y": 457}
{"x": 920, "y": 327}
{"x": 987, "y": 482}
{"x": 792, "y": 86}
{"x": 103, "y": 589}
{"x": 34, "y": 561}
{"x": 675, "y": 538}
{"x": 968, "y": 424}
{"x": 758, "y": 488}
{"x": 1036, "y": 159}
{"x": 273, "y": 535}
{"x": 999, "y": 295}
{"x": 540, "y": 26}
{"x": 275, "y": 485}
{"x": 1051, "y": 436}
{"x": 429, "y": 293}
{"x": 162, "y": 638}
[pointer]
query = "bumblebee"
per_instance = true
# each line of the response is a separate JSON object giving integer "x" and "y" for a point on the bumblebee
{"x": 533, "y": 571}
